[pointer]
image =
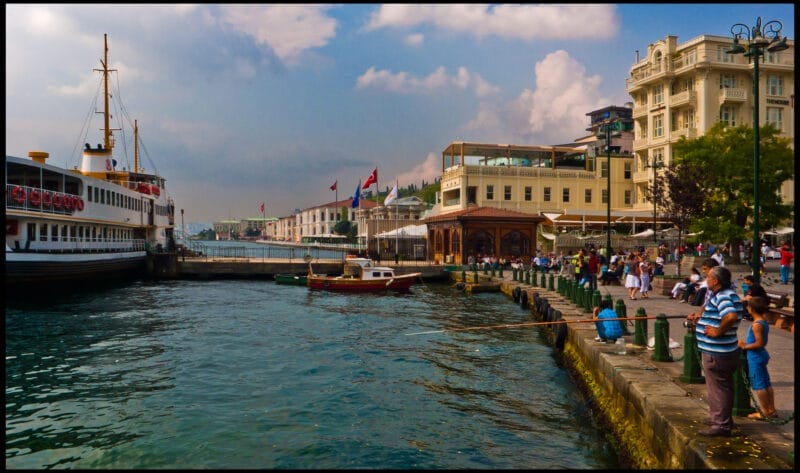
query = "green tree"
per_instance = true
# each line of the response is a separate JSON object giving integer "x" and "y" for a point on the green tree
{"x": 682, "y": 198}
{"x": 723, "y": 156}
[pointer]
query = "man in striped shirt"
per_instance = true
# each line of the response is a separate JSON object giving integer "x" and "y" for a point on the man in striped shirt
{"x": 716, "y": 328}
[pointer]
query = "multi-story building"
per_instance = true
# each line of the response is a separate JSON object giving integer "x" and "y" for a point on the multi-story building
{"x": 320, "y": 220}
{"x": 684, "y": 89}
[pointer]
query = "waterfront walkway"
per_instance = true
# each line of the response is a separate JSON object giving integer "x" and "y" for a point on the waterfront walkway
{"x": 768, "y": 444}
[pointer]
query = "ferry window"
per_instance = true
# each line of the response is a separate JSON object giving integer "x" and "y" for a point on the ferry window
{"x": 108, "y": 196}
{"x": 102, "y": 197}
{"x": 489, "y": 192}
{"x": 94, "y": 233}
{"x": 43, "y": 232}
{"x": 506, "y": 192}
{"x": 89, "y": 194}
{"x": 528, "y": 193}
{"x": 64, "y": 233}
{"x": 376, "y": 274}
{"x": 54, "y": 233}
{"x": 96, "y": 191}
{"x": 387, "y": 275}
{"x": 31, "y": 232}
{"x": 105, "y": 234}
{"x": 73, "y": 233}
{"x": 565, "y": 194}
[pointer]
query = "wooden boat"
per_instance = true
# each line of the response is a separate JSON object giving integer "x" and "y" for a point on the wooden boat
{"x": 291, "y": 279}
{"x": 361, "y": 275}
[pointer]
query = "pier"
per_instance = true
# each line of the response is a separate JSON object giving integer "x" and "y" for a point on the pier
{"x": 645, "y": 399}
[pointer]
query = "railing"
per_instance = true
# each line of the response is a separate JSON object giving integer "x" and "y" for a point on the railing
{"x": 20, "y": 197}
{"x": 685, "y": 97}
{"x": 732, "y": 94}
{"x": 72, "y": 244}
{"x": 689, "y": 133}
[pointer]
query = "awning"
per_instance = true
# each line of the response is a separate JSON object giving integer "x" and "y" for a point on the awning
{"x": 407, "y": 231}
{"x": 548, "y": 236}
{"x": 780, "y": 231}
{"x": 644, "y": 234}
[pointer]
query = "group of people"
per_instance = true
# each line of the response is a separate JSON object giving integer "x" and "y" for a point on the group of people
{"x": 639, "y": 272}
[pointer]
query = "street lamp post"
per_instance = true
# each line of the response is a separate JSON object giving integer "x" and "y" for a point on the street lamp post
{"x": 606, "y": 134}
{"x": 758, "y": 39}
{"x": 657, "y": 164}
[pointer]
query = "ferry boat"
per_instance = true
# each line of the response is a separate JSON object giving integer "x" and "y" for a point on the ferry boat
{"x": 361, "y": 275}
{"x": 90, "y": 222}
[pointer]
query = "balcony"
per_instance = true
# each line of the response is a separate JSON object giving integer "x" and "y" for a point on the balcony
{"x": 732, "y": 95}
{"x": 683, "y": 98}
{"x": 640, "y": 110}
{"x": 689, "y": 133}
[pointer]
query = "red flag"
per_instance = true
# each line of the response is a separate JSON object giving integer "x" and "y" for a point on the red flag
{"x": 372, "y": 179}
{"x": 333, "y": 187}
{"x": 262, "y": 207}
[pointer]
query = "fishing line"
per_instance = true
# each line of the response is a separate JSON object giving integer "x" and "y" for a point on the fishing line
{"x": 530, "y": 324}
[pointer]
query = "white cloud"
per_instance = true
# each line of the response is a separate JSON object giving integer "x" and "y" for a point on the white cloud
{"x": 428, "y": 170}
{"x": 404, "y": 83}
{"x": 415, "y": 39}
{"x": 288, "y": 30}
{"x": 552, "y": 112}
{"x": 526, "y": 22}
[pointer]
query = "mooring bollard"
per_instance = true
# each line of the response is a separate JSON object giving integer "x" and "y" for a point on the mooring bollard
{"x": 463, "y": 275}
{"x": 551, "y": 283}
{"x": 513, "y": 274}
{"x": 609, "y": 299}
{"x": 543, "y": 283}
{"x": 500, "y": 271}
{"x": 661, "y": 334}
{"x": 486, "y": 268}
{"x": 692, "y": 369}
{"x": 741, "y": 395}
{"x": 622, "y": 312}
{"x": 640, "y": 328}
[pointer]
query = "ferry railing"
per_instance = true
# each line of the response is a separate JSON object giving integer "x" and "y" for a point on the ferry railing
{"x": 72, "y": 244}
{"x": 19, "y": 197}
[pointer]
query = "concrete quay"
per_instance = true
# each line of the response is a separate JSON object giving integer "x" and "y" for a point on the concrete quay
{"x": 644, "y": 404}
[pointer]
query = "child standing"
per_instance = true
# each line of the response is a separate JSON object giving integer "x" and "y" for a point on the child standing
{"x": 757, "y": 358}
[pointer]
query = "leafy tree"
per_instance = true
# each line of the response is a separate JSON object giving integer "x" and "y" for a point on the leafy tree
{"x": 682, "y": 198}
{"x": 723, "y": 161}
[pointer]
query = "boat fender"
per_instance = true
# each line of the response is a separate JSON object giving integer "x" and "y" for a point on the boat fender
{"x": 461, "y": 286}
{"x": 515, "y": 294}
{"x": 79, "y": 204}
{"x": 35, "y": 197}
{"x": 47, "y": 199}
{"x": 18, "y": 194}
{"x": 58, "y": 200}
{"x": 561, "y": 333}
{"x": 523, "y": 299}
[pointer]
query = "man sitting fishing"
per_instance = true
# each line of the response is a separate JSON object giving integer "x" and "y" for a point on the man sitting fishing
{"x": 607, "y": 330}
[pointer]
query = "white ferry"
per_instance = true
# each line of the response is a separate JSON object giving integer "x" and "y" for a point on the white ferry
{"x": 90, "y": 222}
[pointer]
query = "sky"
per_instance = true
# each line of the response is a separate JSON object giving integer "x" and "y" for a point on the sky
{"x": 239, "y": 104}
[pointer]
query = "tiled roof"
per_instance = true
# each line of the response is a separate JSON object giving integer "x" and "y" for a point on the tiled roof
{"x": 487, "y": 213}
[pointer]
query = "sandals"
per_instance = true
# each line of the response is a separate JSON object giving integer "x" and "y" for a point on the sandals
{"x": 758, "y": 416}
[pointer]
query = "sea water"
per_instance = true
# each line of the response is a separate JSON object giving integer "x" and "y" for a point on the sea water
{"x": 250, "y": 374}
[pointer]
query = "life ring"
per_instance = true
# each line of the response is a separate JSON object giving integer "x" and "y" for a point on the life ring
{"x": 79, "y": 204}
{"x": 35, "y": 197}
{"x": 47, "y": 199}
{"x": 68, "y": 203}
{"x": 58, "y": 200}
{"x": 18, "y": 194}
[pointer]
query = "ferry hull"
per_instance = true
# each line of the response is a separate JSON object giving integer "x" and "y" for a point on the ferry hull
{"x": 34, "y": 271}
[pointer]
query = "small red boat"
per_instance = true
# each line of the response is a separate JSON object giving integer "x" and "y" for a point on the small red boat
{"x": 361, "y": 275}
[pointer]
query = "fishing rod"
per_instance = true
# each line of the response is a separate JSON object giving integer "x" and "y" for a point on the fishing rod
{"x": 530, "y": 324}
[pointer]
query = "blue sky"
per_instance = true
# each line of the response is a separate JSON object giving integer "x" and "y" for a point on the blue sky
{"x": 239, "y": 104}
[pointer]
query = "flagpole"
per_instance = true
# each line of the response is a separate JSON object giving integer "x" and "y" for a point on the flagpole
{"x": 396, "y": 224}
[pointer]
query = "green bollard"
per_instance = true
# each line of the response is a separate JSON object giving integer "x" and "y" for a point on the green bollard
{"x": 741, "y": 394}
{"x": 500, "y": 272}
{"x": 640, "y": 328}
{"x": 596, "y": 299}
{"x": 543, "y": 283}
{"x": 464, "y": 276}
{"x": 551, "y": 282}
{"x": 622, "y": 312}
{"x": 608, "y": 298}
{"x": 588, "y": 300}
{"x": 513, "y": 274}
{"x": 561, "y": 285}
{"x": 485, "y": 269}
{"x": 527, "y": 277}
{"x": 475, "y": 273}
{"x": 661, "y": 334}
{"x": 573, "y": 291}
{"x": 579, "y": 295}
{"x": 692, "y": 373}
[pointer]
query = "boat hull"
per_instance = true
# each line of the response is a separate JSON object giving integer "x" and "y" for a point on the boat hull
{"x": 32, "y": 271}
{"x": 291, "y": 279}
{"x": 398, "y": 283}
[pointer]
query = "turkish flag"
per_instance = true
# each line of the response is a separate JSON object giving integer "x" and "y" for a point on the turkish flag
{"x": 262, "y": 207}
{"x": 333, "y": 187}
{"x": 372, "y": 179}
